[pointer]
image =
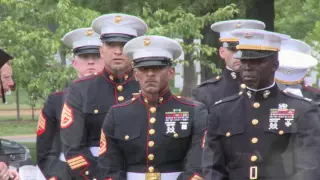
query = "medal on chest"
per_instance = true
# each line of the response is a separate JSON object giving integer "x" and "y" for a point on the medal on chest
{"x": 176, "y": 117}
{"x": 282, "y": 113}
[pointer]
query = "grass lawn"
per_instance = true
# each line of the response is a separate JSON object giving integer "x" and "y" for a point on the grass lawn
{"x": 14, "y": 118}
{"x": 32, "y": 147}
{"x": 11, "y": 128}
{"x": 23, "y": 101}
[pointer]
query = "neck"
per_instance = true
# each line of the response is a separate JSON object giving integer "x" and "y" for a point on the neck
{"x": 117, "y": 72}
{"x": 154, "y": 95}
{"x": 262, "y": 87}
{"x": 227, "y": 67}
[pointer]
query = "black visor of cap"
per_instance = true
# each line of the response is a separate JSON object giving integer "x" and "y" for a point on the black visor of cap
{"x": 152, "y": 61}
{"x": 253, "y": 54}
{"x": 86, "y": 50}
{"x": 230, "y": 44}
{"x": 109, "y": 38}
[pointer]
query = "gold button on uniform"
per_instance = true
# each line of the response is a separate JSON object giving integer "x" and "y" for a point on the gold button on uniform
{"x": 151, "y": 157}
{"x": 255, "y": 121}
{"x": 153, "y": 109}
{"x": 151, "y": 144}
{"x": 176, "y": 135}
{"x": 218, "y": 77}
{"x": 243, "y": 86}
{"x": 111, "y": 77}
{"x": 152, "y": 120}
{"x": 281, "y": 132}
{"x": 152, "y": 131}
{"x": 254, "y": 158}
{"x": 120, "y": 88}
{"x": 94, "y": 179}
{"x": 228, "y": 134}
{"x": 96, "y": 111}
{"x": 179, "y": 97}
{"x": 151, "y": 169}
{"x": 120, "y": 98}
{"x": 126, "y": 137}
{"x": 86, "y": 173}
{"x": 254, "y": 140}
{"x": 256, "y": 105}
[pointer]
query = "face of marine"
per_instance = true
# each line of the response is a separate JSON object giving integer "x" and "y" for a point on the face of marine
{"x": 227, "y": 55}
{"x": 87, "y": 64}
{"x": 114, "y": 59}
{"x": 259, "y": 73}
{"x": 154, "y": 79}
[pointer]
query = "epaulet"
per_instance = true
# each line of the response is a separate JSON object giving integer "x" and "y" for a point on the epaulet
{"x": 185, "y": 101}
{"x": 87, "y": 77}
{"x": 296, "y": 97}
{"x": 310, "y": 88}
{"x": 210, "y": 81}
{"x": 126, "y": 103}
{"x": 58, "y": 93}
{"x": 229, "y": 98}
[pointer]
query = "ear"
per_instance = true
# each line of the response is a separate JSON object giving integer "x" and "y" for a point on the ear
{"x": 171, "y": 72}
{"x": 221, "y": 52}
{"x": 74, "y": 63}
{"x": 275, "y": 65}
{"x": 101, "y": 51}
{"x": 136, "y": 74}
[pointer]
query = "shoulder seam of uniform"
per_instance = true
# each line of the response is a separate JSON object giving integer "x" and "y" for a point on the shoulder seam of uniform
{"x": 227, "y": 99}
{"x": 127, "y": 103}
{"x": 59, "y": 92}
{"x": 213, "y": 80}
{"x": 297, "y": 97}
{"x": 87, "y": 78}
{"x": 178, "y": 98}
{"x": 311, "y": 89}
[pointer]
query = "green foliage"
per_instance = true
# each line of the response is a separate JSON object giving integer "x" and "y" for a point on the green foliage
{"x": 31, "y": 32}
{"x": 300, "y": 19}
{"x": 185, "y": 25}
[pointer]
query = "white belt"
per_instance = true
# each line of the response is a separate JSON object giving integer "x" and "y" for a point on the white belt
{"x": 141, "y": 176}
{"x": 94, "y": 152}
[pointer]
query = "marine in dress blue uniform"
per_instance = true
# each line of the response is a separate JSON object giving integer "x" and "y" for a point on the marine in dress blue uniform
{"x": 50, "y": 159}
{"x": 261, "y": 132}
{"x": 90, "y": 98}
{"x": 227, "y": 84}
{"x": 153, "y": 138}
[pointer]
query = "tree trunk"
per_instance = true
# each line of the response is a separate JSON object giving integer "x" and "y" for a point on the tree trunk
{"x": 262, "y": 10}
{"x": 211, "y": 38}
{"x": 63, "y": 54}
{"x": 189, "y": 72}
{"x": 32, "y": 108}
{"x": 18, "y": 104}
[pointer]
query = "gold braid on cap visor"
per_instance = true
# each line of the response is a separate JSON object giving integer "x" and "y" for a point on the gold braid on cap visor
{"x": 257, "y": 47}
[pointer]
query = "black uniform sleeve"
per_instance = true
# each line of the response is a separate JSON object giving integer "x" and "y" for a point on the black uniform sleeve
{"x": 47, "y": 156}
{"x": 192, "y": 164}
{"x": 195, "y": 94}
{"x": 74, "y": 138}
{"x": 307, "y": 146}
{"x": 213, "y": 158}
{"x": 111, "y": 160}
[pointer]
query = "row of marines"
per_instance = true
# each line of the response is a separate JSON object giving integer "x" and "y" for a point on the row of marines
{"x": 120, "y": 120}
